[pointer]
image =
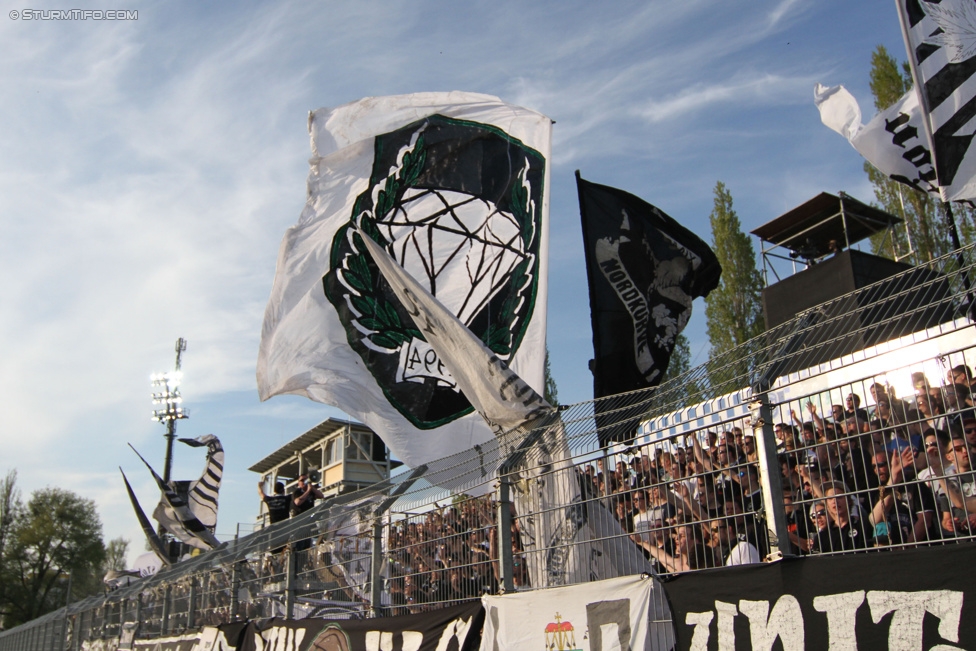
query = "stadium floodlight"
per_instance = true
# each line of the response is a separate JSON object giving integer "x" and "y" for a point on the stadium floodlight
{"x": 166, "y": 394}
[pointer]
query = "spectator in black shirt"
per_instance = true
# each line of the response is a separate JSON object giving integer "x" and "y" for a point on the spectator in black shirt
{"x": 844, "y": 533}
{"x": 278, "y": 504}
{"x": 903, "y": 512}
{"x": 853, "y": 404}
{"x": 304, "y": 496}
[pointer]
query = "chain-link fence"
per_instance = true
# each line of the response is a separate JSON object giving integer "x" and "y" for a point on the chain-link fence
{"x": 847, "y": 429}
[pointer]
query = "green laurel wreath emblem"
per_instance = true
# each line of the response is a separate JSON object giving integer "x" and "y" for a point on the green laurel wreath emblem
{"x": 417, "y": 162}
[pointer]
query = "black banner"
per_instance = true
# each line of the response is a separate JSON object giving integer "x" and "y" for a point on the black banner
{"x": 644, "y": 270}
{"x": 457, "y": 628}
{"x": 920, "y": 599}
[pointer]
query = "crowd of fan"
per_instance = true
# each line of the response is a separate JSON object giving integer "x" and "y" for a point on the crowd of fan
{"x": 448, "y": 555}
{"x": 852, "y": 479}
{"x": 897, "y": 472}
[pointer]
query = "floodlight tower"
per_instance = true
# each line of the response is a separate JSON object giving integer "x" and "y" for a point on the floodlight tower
{"x": 168, "y": 396}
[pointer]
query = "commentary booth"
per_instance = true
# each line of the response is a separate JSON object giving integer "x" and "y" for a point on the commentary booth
{"x": 809, "y": 266}
{"x": 340, "y": 456}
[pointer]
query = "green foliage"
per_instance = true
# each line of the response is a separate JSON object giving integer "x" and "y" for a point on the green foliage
{"x": 116, "y": 553}
{"x": 733, "y": 309}
{"x": 550, "y": 393}
{"x": 10, "y": 507}
{"x": 680, "y": 358}
{"x": 56, "y": 534}
{"x": 888, "y": 83}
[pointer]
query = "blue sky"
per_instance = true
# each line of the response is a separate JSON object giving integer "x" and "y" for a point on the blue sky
{"x": 150, "y": 167}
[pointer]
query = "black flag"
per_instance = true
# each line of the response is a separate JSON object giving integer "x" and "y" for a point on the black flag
{"x": 644, "y": 270}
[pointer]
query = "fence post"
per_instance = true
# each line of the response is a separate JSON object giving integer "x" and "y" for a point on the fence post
{"x": 164, "y": 620}
{"x": 235, "y": 587}
{"x": 376, "y": 570}
{"x": 82, "y": 632}
{"x": 291, "y": 568}
{"x": 504, "y": 534}
{"x": 138, "y": 615}
{"x": 190, "y": 607}
{"x": 770, "y": 475}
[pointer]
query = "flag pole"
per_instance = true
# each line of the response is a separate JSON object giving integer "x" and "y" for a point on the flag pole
{"x": 923, "y": 107}
{"x": 950, "y": 222}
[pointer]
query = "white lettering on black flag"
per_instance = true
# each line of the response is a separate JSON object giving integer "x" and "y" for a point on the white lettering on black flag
{"x": 455, "y": 628}
{"x": 644, "y": 270}
{"x": 910, "y": 600}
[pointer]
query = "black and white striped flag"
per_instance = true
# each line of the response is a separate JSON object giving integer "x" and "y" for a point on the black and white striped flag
{"x": 203, "y": 493}
{"x": 939, "y": 37}
{"x": 174, "y": 514}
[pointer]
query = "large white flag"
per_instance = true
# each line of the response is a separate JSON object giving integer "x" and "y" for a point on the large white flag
{"x": 893, "y": 141}
{"x": 942, "y": 53}
{"x": 456, "y": 186}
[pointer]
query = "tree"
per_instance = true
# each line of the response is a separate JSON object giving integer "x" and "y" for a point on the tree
{"x": 56, "y": 534}
{"x": 551, "y": 393}
{"x": 921, "y": 211}
{"x": 10, "y": 506}
{"x": 733, "y": 309}
{"x": 680, "y": 358}
{"x": 116, "y": 555}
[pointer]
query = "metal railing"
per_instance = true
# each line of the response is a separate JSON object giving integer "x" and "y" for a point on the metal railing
{"x": 741, "y": 459}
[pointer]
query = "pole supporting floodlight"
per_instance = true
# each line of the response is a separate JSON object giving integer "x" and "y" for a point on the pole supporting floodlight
{"x": 167, "y": 396}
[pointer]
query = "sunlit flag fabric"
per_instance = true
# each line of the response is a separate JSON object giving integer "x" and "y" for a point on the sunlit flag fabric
{"x": 498, "y": 394}
{"x": 644, "y": 270}
{"x": 456, "y": 185}
{"x": 939, "y": 37}
{"x": 893, "y": 141}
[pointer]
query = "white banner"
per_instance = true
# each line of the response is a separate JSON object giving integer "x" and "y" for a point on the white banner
{"x": 594, "y": 616}
{"x": 456, "y": 187}
{"x": 893, "y": 141}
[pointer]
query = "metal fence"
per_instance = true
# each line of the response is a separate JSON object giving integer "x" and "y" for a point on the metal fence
{"x": 844, "y": 430}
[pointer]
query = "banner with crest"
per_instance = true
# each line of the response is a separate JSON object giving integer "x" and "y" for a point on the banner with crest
{"x": 455, "y": 186}
{"x": 611, "y": 614}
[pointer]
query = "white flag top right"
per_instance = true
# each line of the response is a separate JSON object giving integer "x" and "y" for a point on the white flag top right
{"x": 893, "y": 141}
{"x": 456, "y": 187}
{"x": 941, "y": 48}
